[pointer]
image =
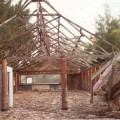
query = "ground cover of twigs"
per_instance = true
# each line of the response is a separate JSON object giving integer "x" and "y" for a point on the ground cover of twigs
{"x": 36, "y": 105}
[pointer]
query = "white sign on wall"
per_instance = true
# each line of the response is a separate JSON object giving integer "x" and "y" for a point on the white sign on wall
{"x": 29, "y": 80}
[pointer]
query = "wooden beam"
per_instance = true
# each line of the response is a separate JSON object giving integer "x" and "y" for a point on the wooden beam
{"x": 58, "y": 32}
{"x": 5, "y": 22}
{"x": 32, "y": 58}
{"x": 101, "y": 70}
{"x": 51, "y": 20}
{"x": 36, "y": 0}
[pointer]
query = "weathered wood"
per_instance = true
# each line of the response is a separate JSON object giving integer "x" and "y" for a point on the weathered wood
{"x": 63, "y": 34}
{"x": 94, "y": 71}
{"x": 42, "y": 14}
{"x": 25, "y": 4}
{"x": 110, "y": 86}
{"x": 87, "y": 74}
{"x": 52, "y": 39}
{"x": 91, "y": 84}
{"x": 101, "y": 70}
{"x": 89, "y": 79}
{"x": 58, "y": 33}
{"x": 36, "y": 0}
{"x": 52, "y": 20}
{"x": 68, "y": 30}
{"x": 5, "y": 22}
{"x": 32, "y": 58}
{"x": 64, "y": 83}
{"x": 16, "y": 82}
{"x": 52, "y": 28}
{"x": 111, "y": 61}
{"x": 4, "y": 102}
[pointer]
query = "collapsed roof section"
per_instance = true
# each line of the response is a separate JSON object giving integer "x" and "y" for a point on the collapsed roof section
{"x": 54, "y": 36}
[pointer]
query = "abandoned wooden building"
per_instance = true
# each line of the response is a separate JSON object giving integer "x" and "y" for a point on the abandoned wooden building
{"x": 57, "y": 56}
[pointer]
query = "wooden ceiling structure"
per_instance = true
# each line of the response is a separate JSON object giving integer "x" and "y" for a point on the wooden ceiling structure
{"x": 53, "y": 36}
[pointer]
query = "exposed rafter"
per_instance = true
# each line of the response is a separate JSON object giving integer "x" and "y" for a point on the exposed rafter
{"x": 53, "y": 36}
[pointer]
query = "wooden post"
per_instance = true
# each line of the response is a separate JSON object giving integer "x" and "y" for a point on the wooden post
{"x": 64, "y": 83}
{"x": 4, "y": 102}
{"x": 89, "y": 78}
{"x": 91, "y": 85}
{"x": 16, "y": 81}
{"x": 83, "y": 76}
{"x": 82, "y": 80}
{"x": 93, "y": 71}
{"x": 110, "y": 86}
{"x": 85, "y": 80}
{"x": 88, "y": 89}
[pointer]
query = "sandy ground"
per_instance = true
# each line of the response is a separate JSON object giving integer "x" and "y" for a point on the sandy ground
{"x": 47, "y": 106}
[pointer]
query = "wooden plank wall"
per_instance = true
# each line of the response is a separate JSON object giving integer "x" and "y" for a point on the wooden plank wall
{"x": 82, "y": 81}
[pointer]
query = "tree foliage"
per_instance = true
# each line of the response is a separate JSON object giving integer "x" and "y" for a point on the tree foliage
{"x": 108, "y": 28}
{"x": 10, "y": 42}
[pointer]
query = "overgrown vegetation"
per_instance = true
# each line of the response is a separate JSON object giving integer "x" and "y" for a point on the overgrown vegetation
{"x": 10, "y": 40}
{"x": 108, "y": 29}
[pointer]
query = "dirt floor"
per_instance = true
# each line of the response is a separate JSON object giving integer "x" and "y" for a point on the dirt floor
{"x": 47, "y": 106}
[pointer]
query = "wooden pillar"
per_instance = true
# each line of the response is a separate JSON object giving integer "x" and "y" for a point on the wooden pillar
{"x": 91, "y": 85}
{"x": 64, "y": 83}
{"x": 89, "y": 78}
{"x": 4, "y": 102}
{"x": 88, "y": 89}
{"x": 93, "y": 71}
{"x": 83, "y": 80}
{"x": 16, "y": 82}
{"x": 19, "y": 79}
{"x": 86, "y": 80}
{"x": 80, "y": 81}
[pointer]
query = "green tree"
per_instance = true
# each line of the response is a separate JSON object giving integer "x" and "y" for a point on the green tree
{"x": 11, "y": 44}
{"x": 108, "y": 29}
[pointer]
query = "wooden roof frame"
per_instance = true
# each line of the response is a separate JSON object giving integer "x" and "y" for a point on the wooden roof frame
{"x": 54, "y": 36}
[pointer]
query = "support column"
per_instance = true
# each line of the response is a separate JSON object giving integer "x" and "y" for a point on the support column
{"x": 89, "y": 79}
{"x": 64, "y": 83}
{"x": 88, "y": 89}
{"x": 81, "y": 78}
{"x": 85, "y": 81}
{"x": 93, "y": 71}
{"x": 91, "y": 84}
{"x": 4, "y": 105}
{"x": 19, "y": 79}
{"x": 16, "y": 82}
